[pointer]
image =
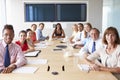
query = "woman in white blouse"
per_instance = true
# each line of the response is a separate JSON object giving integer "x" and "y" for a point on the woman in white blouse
{"x": 110, "y": 54}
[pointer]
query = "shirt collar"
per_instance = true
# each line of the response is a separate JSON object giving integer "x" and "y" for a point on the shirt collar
{"x": 4, "y": 44}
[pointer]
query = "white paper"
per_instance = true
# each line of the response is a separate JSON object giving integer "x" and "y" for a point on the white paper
{"x": 40, "y": 45}
{"x": 34, "y": 53}
{"x": 76, "y": 54}
{"x": 25, "y": 70}
{"x": 38, "y": 61}
{"x": 84, "y": 67}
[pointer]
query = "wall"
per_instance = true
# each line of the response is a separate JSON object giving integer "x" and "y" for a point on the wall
{"x": 15, "y": 15}
{"x": 111, "y": 14}
{"x": 2, "y": 16}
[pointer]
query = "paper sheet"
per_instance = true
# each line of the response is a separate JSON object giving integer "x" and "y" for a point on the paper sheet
{"x": 25, "y": 70}
{"x": 38, "y": 61}
{"x": 40, "y": 45}
{"x": 84, "y": 67}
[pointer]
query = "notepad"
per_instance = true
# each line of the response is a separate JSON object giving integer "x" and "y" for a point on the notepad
{"x": 61, "y": 46}
{"x": 25, "y": 70}
{"x": 57, "y": 49}
{"x": 38, "y": 61}
{"x": 32, "y": 54}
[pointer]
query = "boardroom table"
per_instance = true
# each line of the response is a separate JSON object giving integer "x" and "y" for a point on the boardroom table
{"x": 56, "y": 60}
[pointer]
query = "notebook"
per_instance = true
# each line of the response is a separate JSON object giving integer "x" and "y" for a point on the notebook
{"x": 32, "y": 54}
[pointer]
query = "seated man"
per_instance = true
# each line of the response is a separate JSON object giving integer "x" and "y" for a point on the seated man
{"x": 39, "y": 34}
{"x": 93, "y": 43}
{"x": 11, "y": 55}
{"x": 79, "y": 33}
{"x": 84, "y": 36}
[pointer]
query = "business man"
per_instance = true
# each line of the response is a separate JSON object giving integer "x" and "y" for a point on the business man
{"x": 11, "y": 55}
{"x": 93, "y": 43}
{"x": 39, "y": 34}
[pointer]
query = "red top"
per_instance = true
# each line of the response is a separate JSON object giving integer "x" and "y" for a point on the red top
{"x": 24, "y": 46}
{"x": 34, "y": 37}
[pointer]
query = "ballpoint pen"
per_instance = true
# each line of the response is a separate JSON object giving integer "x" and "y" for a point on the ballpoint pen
{"x": 63, "y": 68}
{"x": 48, "y": 68}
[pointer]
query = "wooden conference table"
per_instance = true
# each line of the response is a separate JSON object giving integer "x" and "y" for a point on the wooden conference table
{"x": 56, "y": 61}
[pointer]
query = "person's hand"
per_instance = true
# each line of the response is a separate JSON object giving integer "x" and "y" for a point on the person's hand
{"x": 47, "y": 37}
{"x": 95, "y": 67}
{"x": 8, "y": 69}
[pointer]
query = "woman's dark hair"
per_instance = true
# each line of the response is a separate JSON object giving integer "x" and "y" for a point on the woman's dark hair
{"x": 59, "y": 25}
{"x": 27, "y": 30}
{"x": 23, "y": 31}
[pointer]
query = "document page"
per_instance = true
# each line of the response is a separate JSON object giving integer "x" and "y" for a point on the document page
{"x": 38, "y": 61}
{"x": 25, "y": 70}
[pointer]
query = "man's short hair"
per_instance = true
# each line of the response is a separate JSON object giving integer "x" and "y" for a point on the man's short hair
{"x": 9, "y": 27}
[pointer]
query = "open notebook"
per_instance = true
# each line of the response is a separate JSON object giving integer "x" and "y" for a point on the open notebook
{"x": 32, "y": 54}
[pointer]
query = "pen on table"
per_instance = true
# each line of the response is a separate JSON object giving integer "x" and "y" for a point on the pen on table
{"x": 1, "y": 70}
{"x": 48, "y": 68}
{"x": 63, "y": 68}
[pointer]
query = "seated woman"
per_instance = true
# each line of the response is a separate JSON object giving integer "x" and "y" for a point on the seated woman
{"x": 109, "y": 54}
{"x": 29, "y": 37}
{"x": 58, "y": 32}
{"x": 24, "y": 43}
{"x": 33, "y": 37}
{"x": 75, "y": 30}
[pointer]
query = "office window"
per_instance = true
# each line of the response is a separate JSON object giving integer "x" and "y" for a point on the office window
{"x": 39, "y": 12}
{"x": 55, "y": 12}
{"x": 71, "y": 12}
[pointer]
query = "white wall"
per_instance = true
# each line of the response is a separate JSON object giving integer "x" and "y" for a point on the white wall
{"x": 2, "y": 16}
{"x": 15, "y": 15}
{"x": 111, "y": 14}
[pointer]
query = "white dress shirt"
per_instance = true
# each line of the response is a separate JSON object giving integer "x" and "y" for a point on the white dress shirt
{"x": 88, "y": 46}
{"x": 16, "y": 55}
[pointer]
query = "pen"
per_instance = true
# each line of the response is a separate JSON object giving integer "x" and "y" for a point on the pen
{"x": 48, "y": 68}
{"x": 1, "y": 70}
{"x": 63, "y": 68}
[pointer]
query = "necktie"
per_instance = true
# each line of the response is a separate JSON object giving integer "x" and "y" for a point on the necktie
{"x": 93, "y": 47}
{"x": 80, "y": 35}
{"x": 7, "y": 57}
